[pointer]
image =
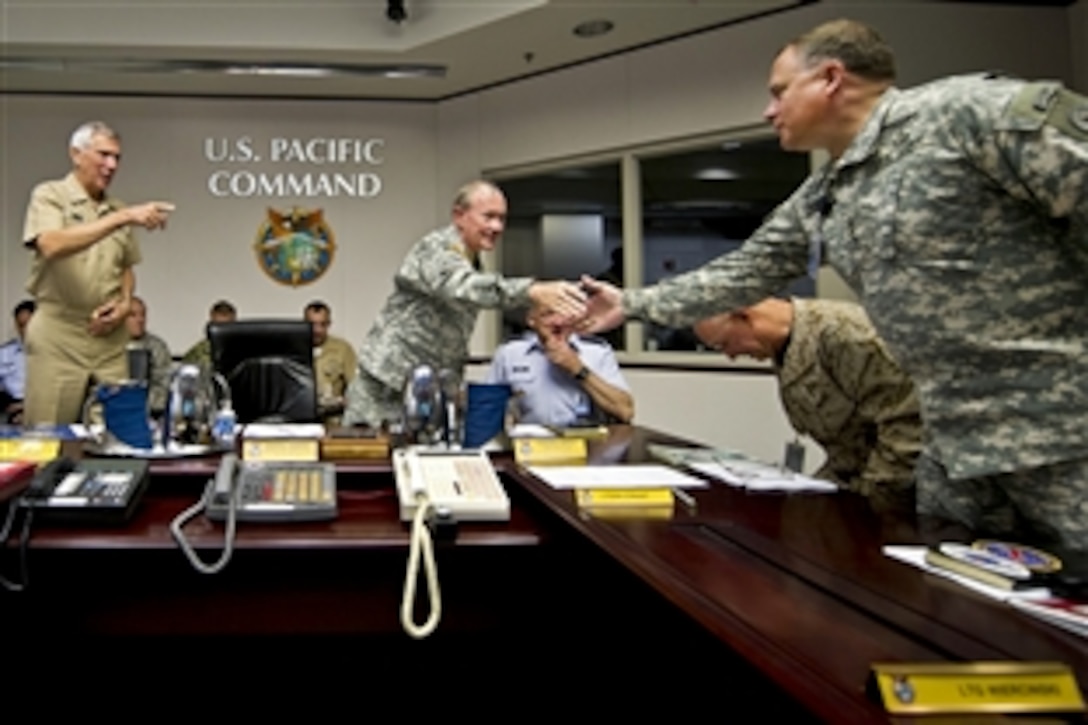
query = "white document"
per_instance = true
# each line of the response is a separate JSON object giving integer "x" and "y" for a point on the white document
{"x": 760, "y": 476}
{"x": 530, "y": 430}
{"x": 284, "y": 430}
{"x": 916, "y": 556}
{"x": 620, "y": 476}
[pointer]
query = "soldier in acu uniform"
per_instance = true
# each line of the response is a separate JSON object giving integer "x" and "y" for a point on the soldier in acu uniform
{"x": 81, "y": 277}
{"x": 438, "y": 291}
{"x": 839, "y": 384}
{"x": 957, "y": 211}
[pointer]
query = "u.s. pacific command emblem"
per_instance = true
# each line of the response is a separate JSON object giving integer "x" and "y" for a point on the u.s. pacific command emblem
{"x": 295, "y": 247}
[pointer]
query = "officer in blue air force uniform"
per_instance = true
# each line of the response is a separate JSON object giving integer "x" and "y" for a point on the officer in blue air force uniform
{"x": 13, "y": 366}
{"x": 560, "y": 378}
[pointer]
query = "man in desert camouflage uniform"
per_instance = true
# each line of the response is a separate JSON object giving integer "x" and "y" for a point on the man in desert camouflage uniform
{"x": 438, "y": 291}
{"x": 161, "y": 361}
{"x": 956, "y": 210}
{"x": 838, "y": 384}
{"x": 200, "y": 353}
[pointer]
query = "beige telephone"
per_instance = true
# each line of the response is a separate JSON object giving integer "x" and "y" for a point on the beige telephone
{"x": 440, "y": 485}
{"x": 459, "y": 484}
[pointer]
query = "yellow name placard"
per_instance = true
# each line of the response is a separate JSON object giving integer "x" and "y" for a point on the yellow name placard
{"x": 625, "y": 503}
{"x": 623, "y": 496}
{"x": 537, "y": 451}
{"x": 281, "y": 449}
{"x": 37, "y": 450}
{"x": 979, "y": 687}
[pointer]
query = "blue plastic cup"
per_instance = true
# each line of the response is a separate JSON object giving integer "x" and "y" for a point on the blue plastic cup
{"x": 124, "y": 409}
{"x": 485, "y": 412}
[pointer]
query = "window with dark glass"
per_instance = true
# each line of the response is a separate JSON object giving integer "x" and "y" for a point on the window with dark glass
{"x": 703, "y": 202}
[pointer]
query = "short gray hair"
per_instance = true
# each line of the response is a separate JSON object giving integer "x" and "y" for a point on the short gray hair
{"x": 466, "y": 193}
{"x": 81, "y": 137}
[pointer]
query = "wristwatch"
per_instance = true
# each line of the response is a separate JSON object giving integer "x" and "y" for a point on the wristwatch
{"x": 582, "y": 373}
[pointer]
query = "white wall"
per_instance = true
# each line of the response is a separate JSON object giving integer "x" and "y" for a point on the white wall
{"x": 206, "y": 252}
{"x": 707, "y": 83}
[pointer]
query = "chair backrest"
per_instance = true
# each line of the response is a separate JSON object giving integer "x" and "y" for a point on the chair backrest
{"x": 269, "y": 367}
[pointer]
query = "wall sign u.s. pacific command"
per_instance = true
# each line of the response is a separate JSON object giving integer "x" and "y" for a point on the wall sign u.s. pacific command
{"x": 295, "y": 247}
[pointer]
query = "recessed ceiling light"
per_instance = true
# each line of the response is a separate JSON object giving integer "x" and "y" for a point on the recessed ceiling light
{"x": 593, "y": 28}
{"x": 716, "y": 174}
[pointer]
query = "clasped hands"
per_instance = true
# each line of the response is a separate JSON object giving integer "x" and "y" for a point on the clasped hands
{"x": 590, "y": 305}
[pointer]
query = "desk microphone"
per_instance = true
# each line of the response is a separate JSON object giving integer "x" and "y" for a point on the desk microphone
{"x": 421, "y": 401}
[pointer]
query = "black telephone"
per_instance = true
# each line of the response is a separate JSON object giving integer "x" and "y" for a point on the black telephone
{"x": 90, "y": 491}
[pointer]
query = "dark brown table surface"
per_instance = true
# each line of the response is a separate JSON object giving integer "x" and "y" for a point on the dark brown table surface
{"x": 795, "y": 585}
{"x": 799, "y": 586}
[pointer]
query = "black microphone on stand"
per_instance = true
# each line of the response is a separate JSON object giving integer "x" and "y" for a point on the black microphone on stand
{"x": 450, "y": 388}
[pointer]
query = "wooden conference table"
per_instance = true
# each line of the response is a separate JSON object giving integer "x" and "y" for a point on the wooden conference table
{"x": 782, "y": 602}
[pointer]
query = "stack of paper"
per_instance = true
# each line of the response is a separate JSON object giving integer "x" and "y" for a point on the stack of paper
{"x": 736, "y": 469}
{"x": 762, "y": 477}
{"x": 620, "y": 476}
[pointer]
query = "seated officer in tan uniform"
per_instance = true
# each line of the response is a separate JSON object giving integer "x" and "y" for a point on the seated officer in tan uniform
{"x": 81, "y": 277}
{"x": 838, "y": 384}
{"x": 335, "y": 364}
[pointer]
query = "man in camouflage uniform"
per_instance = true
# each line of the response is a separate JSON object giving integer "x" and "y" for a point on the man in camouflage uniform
{"x": 201, "y": 352}
{"x": 335, "y": 364}
{"x": 838, "y": 384}
{"x": 161, "y": 361}
{"x": 438, "y": 291}
{"x": 956, "y": 210}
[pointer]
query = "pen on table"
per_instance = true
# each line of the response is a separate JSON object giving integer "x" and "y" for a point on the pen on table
{"x": 685, "y": 498}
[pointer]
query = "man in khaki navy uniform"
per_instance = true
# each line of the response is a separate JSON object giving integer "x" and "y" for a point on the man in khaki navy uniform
{"x": 81, "y": 277}
{"x": 839, "y": 384}
{"x": 335, "y": 364}
{"x": 957, "y": 211}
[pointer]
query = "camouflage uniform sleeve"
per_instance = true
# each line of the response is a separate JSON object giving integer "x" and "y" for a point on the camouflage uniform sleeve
{"x": 774, "y": 255}
{"x": 1037, "y": 149}
{"x": 445, "y": 273}
{"x": 161, "y": 362}
{"x": 885, "y": 396}
{"x": 199, "y": 354}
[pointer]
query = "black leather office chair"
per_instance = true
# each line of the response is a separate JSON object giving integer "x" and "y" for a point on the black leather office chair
{"x": 269, "y": 367}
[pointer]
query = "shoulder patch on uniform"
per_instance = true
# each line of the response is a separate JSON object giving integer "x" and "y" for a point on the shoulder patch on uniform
{"x": 1051, "y": 104}
{"x": 593, "y": 339}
